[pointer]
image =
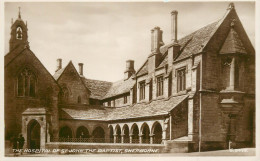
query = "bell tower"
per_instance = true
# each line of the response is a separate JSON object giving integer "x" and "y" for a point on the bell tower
{"x": 19, "y": 36}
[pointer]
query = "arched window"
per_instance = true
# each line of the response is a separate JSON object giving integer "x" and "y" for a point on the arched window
{"x": 19, "y": 33}
{"x": 79, "y": 99}
{"x": 26, "y": 83}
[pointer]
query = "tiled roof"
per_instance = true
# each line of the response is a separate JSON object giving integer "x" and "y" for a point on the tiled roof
{"x": 233, "y": 44}
{"x": 155, "y": 108}
{"x": 192, "y": 43}
{"x": 120, "y": 87}
{"x": 97, "y": 88}
{"x": 39, "y": 110}
{"x": 90, "y": 113}
{"x": 58, "y": 74}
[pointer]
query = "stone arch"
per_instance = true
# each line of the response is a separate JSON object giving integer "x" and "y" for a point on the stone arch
{"x": 65, "y": 133}
{"x": 145, "y": 132}
{"x": 33, "y": 134}
{"x": 125, "y": 133}
{"x": 157, "y": 133}
{"x": 118, "y": 133}
{"x": 82, "y": 133}
{"x": 98, "y": 135}
{"x": 135, "y": 133}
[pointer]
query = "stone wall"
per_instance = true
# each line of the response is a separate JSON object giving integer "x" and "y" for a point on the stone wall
{"x": 46, "y": 92}
{"x": 72, "y": 81}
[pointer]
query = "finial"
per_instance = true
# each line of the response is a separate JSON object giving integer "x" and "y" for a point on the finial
{"x": 19, "y": 14}
{"x": 231, "y": 6}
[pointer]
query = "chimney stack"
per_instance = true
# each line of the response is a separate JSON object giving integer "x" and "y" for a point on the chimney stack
{"x": 156, "y": 39}
{"x": 59, "y": 64}
{"x": 81, "y": 69}
{"x": 130, "y": 70}
{"x": 174, "y": 35}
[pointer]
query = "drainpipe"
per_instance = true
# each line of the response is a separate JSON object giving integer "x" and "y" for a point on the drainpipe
{"x": 170, "y": 125}
{"x": 200, "y": 106}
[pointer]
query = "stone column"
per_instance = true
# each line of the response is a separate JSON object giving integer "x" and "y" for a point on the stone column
{"x": 115, "y": 138}
{"x": 131, "y": 138}
{"x": 122, "y": 138}
{"x": 151, "y": 138}
{"x": 140, "y": 138}
{"x": 190, "y": 119}
{"x": 232, "y": 74}
{"x": 164, "y": 135}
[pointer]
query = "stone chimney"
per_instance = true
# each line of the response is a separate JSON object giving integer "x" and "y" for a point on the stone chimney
{"x": 174, "y": 50}
{"x": 81, "y": 69}
{"x": 59, "y": 64}
{"x": 156, "y": 39}
{"x": 130, "y": 70}
{"x": 174, "y": 35}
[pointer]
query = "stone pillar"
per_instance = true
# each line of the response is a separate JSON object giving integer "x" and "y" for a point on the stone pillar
{"x": 140, "y": 138}
{"x": 164, "y": 135}
{"x": 122, "y": 138}
{"x": 147, "y": 91}
{"x": 232, "y": 74}
{"x": 151, "y": 138}
{"x": 131, "y": 138}
{"x": 115, "y": 138}
{"x": 190, "y": 119}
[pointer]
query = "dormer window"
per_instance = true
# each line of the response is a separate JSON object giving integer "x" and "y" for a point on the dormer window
{"x": 26, "y": 84}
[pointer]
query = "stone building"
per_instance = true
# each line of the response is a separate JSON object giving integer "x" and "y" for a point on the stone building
{"x": 197, "y": 92}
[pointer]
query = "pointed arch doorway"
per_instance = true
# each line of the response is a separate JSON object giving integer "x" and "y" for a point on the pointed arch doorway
{"x": 34, "y": 135}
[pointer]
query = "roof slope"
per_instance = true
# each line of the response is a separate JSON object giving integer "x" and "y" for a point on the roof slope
{"x": 120, "y": 87}
{"x": 58, "y": 73}
{"x": 97, "y": 88}
{"x": 192, "y": 43}
{"x": 155, "y": 108}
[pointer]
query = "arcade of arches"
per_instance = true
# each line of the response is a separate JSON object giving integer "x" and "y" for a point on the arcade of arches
{"x": 136, "y": 133}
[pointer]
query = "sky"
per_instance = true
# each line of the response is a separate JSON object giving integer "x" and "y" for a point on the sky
{"x": 104, "y": 35}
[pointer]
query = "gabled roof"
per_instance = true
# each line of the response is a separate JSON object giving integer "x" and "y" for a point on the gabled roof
{"x": 233, "y": 44}
{"x": 57, "y": 75}
{"x": 197, "y": 41}
{"x": 97, "y": 88}
{"x": 120, "y": 87}
{"x": 155, "y": 108}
